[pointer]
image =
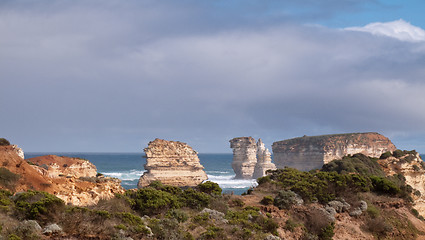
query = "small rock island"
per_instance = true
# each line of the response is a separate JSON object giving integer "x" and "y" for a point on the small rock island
{"x": 172, "y": 163}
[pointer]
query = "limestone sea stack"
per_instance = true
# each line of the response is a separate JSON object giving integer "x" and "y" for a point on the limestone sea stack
{"x": 307, "y": 153}
{"x": 244, "y": 156}
{"x": 172, "y": 163}
{"x": 264, "y": 161}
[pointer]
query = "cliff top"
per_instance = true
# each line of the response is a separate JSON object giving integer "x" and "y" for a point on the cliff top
{"x": 335, "y": 139}
{"x": 164, "y": 148}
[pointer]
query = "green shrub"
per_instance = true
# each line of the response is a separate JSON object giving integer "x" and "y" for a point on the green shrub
{"x": 130, "y": 218}
{"x": 120, "y": 227}
{"x": 327, "y": 232}
{"x": 267, "y": 200}
{"x": 212, "y": 232}
{"x": 4, "y": 142}
{"x": 263, "y": 180}
{"x": 416, "y": 168}
{"x": 8, "y": 179}
{"x": 385, "y": 155}
{"x": 237, "y": 202}
{"x": 39, "y": 206}
{"x": 166, "y": 229}
{"x": 398, "y": 153}
{"x": 13, "y": 237}
{"x": 151, "y": 201}
{"x": 383, "y": 185}
{"x": 373, "y": 211}
{"x": 178, "y": 214}
{"x": 194, "y": 199}
{"x": 358, "y": 163}
{"x": 210, "y": 188}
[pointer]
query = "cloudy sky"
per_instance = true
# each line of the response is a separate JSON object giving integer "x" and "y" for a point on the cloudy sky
{"x": 112, "y": 75}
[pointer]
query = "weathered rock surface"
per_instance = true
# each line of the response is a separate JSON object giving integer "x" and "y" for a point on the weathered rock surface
{"x": 412, "y": 167}
{"x": 244, "y": 156}
{"x": 82, "y": 191}
{"x": 172, "y": 163}
{"x": 18, "y": 151}
{"x": 307, "y": 153}
{"x": 264, "y": 161}
{"x": 55, "y": 166}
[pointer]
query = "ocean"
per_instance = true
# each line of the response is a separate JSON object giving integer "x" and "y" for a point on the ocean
{"x": 128, "y": 167}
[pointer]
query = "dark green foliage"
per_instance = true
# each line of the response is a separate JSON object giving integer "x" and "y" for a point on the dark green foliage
{"x": 416, "y": 168}
{"x": 4, "y": 142}
{"x": 251, "y": 218}
{"x": 321, "y": 186}
{"x": 327, "y": 232}
{"x": 213, "y": 232}
{"x": 263, "y": 180}
{"x": 358, "y": 163}
{"x": 383, "y": 185}
{"x": 37, "y": 205}
{"x": 130, "y": 218}
{"x": 166, "y": 229}
{"x": 194, "y": 199}
{"x": 151, "y": 201}
{"x": 398, "y": 153}
{"x": 290, "y": 225}
{"x": 385, "y": 155}
{"x": 13, "y": 237}
{"x": 8, "y": 179}
{"x": 373, "y": 211}
{"x": 267, "y": 200}
{"x": 209, "y": 187}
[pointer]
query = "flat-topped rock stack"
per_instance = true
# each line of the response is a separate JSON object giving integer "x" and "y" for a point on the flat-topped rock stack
{"x": 307, "y": 153}
{"x": 250, "y": 159}
{"x": 172, "y": 163}
{"x": 264, "y": 160}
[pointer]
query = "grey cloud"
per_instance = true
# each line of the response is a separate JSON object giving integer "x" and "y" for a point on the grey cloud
{"x": 112, "y": 78}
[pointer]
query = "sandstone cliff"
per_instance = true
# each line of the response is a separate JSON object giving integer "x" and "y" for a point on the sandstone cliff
{"x": 172, "y": 163}
{"x": 72, "y": 188}
{"x": 55, "y": 166}
{"x": 264, "y": 161}
{"x": 412, "y": 167}
{"x": 244, "y": 156}
{"x": 307, "y": 153}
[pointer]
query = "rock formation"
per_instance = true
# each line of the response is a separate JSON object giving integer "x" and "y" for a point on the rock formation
{"x": 307, "y": 153}
{"x": 71, "y": 185}
{"x": 55, "y": 166}
{"x": 412, "y": 167}
{"x": 18, "y": 151}
{"x": 172, "y": 163}
{"x": 264, "y": 161}
{"x": 244, "y": 156}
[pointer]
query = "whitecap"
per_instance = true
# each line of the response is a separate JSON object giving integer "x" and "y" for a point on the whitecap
{"x": 131, "y": 175}
{"x": 229, "y": 181}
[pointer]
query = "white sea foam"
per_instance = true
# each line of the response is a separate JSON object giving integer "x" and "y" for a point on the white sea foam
{"x": 131, "y": 175}
{"x": 228, "y": 181}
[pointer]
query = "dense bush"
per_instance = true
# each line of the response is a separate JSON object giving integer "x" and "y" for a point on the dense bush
{"x": 385, "y": 155}
{"x": 210, "y": 188}
{"x": 383, "y": 185}
{"x": 4, "y": 142}
{"x": 398, "y": 153}
{"x": 8, "y": 179}
{"x": 285, "y": 199}
{"x": 321, "y": 186}
{"x": 151, "y": 201}
{"x": 267, "y": 200}
{"x": 39, "y": 206}
{"x": 358, "y": 163}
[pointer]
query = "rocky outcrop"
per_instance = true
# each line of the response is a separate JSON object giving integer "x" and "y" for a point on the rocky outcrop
{"x": 172, "y": 163}
{"x": 18, "y": 151}
{"x": 73, "y": 188}
{"x": 412, "y": 167}
{"x": 55, "y": 166}
{"x": 244, "y": 157}
{"x": 307, "y": 153}
{"x": 264, "y": 160}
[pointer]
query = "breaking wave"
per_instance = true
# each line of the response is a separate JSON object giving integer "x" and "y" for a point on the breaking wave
{"x": 131, "y": 175}
{"x": 228, "y": 181}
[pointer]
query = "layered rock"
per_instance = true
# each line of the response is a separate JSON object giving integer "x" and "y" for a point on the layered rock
{"x": 76, "y": 188}
{"x": 244, "y": 156}
{"x": 307, "y": 153}
{"x": 172, "y": 163}
{"x": 55, "y": 166}
{"x": 264, "y": 161}
{"x": 412, "y": 167}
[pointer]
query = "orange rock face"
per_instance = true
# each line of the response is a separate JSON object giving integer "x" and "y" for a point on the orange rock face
{"x": 69, "y": 184}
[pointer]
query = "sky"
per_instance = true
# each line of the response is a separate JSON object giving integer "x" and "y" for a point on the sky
{"x": 112, "y": 75}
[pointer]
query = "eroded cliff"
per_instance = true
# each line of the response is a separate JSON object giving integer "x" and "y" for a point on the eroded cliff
{"x": 76, "y": 186}
{"x": 264, "y": 161}
{"x": 172, "y": 163}
{"x": 307, "y": 153}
